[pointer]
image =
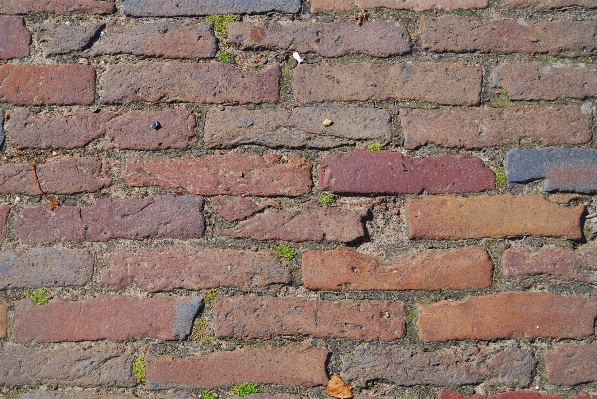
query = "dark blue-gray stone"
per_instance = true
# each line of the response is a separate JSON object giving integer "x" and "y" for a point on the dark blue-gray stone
{"x": 161, "y": 8}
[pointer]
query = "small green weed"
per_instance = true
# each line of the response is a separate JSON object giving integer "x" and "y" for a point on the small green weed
{"x": 501, "y": 178}
{"x": 246, "y": 389}
{"x": 207, "y": 394}
{"x": 327, "y": 199}
{"x": 211, "y": 296}
{"x": 221, "y": 22}
{"x": 375, "y": 147}
{"x": 284, "y": 251}
{"x": 38, "y": 296}
{"x": 139, "y": 369}
{"x": 225, "y": 57}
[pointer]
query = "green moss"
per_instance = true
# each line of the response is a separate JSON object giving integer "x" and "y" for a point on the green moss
{"x": 139, "y": 369}
{"x": 375, "y": 147}
{"x": 38, "y": 296}
{"x": 207, "y": 394}
{"x": 501, "y": 178}
{"x": 284, "y": 251}
{"x": 327, "y": 199}
{"x": 211, "y": 296}
{"x": 221, "y": 22}
{"x": 225, "y": 57}
{"x": 246, "y": 389}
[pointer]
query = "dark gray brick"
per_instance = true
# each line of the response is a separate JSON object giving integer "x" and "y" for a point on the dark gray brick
{"x": 160, "y": 8}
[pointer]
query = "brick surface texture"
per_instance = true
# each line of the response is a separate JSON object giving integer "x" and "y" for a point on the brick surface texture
{"x": 15, "y": 38}
{"x": 571, "y": 364}
{"x": 3, "y": 318}
{"x": 348, "y": 5}
{"x": 523, "y": 394}
{"x": 207, "y": 7}
{"x": 57, "y": 6}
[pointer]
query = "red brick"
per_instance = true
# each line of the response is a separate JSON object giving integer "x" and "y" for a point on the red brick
{"x": 244, "y": 174}
{"x": 443, "y": 83}
{"x": 38, "y": 224}
{"x": 346, "y": 269}
{"x": 99, "y": 365}
{"x": 571, "y": 364}
{"x": 263, "y": 317}
{"x": 114, "y": 317}
{"x": 294, "y": 367}
{"x": 15, "y": 38}
{"x": 81, "y": 395}
{"x": 508, "y": 315}
{"x": 57, "y": 6}
{"x": 63, "y": 39}
{"x": 59, "y": 175}
{"x": 188, "y": 82}
{"x": 309, "y": 222}
{"x": 164, "y": 216}
{"x": 3, "y": 318}
{"x": 547, "y": 4}
{"x": 47, "y": 84}
{"x": 336, "y": 39}
{"x": 415, "y": 5}
{"x": 538, "y": 81}
{"x": 489, "y": 127}
{"x": 4, "y": 211}
{"x": 446, "y": 394}
{"x": 453, "y": 33}
{"x": 232, "y": 209}
{"x": 452, "y": 218}
{"x": 164, "y": 269}
{"x": 387, "y": 172}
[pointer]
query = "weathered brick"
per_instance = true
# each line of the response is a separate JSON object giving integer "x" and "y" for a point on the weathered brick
{"x": 377, "y": 39}
{"x": 296, "y": 128}
{"x": 94, "y": 395}
{"x": 57, "y": 6}
{"x": 388, "y": 172}
{"x": 63, "y": 39}
{"x": 309, "y": 222}
{"x": 47, "y": 84}
{"x": 564, "y": 169}
{"x": 158, "y": 8}
{"x": 508, "y": 315}
{"x": 99, "y": 365}
{"x": 415, "y": 5}
{"x": 4, "y": 211}
{"x": 547, "y": 4}
{"x": 59, "y": 175}
{"x": 509, "y": 366}
{"x": 457, "y": 34}
{"x": 298, "y": 367}
{"x": 538, "y": 81}
{"x": 446, "y": 394}
{"x": 44, "y": 267}
{"x": 232, "y": 209}
{"x": 3, "y": 318}
{"x": 346, "y": 269}
{"x": 188, "y": 82}
{"x": 114, "y": 317}
{"x": 488, "y": 127}
{"x": 15, "y": 38}
{"x": 163, "y": 269}
{"x": 164, "y": 216}
{"x": 244, "y": 174}
{"x": 264, "y": 317}
{"x": 443, "y": 83}
{"x": 571, "y": 364}
{"x": 452, "y": 218}
{"x": 38, "y": 224}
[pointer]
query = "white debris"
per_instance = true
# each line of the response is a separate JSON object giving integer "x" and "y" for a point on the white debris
{"x": 297, "y": 57}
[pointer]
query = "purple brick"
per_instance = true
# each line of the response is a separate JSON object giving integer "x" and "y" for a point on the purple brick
{"x": 38, "y": 224}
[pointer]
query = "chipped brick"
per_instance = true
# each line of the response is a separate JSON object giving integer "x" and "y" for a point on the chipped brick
{"x": 158, "y": 8}
{"x": 232, "y": 209}
{"x": 63, "y": 39}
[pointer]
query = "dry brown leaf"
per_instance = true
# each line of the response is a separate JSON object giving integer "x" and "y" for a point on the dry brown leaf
{"x": 338, "y": 388}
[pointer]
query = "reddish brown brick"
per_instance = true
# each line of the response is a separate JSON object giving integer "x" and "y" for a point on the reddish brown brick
{"x": 571, "y": 364}
{"x": 452, "y": 33}
{"x": 346, "y": 269}
{"x": 59, "y": 175}
{"x": 114, "y": 317}
{"x": 38, "y": 224}
{"x": 538, "y": 81}
{"x": 264, "y": 317}
{"x": 15, "y": 38}
{"x": 443, "y": 83}
{"x": 547, "y": 4}
{"x": 163, "y": 216}
{"x": 415, "y": 5}
{"x": 294, "y": 367}
{"x": 82, "y": 395}
{"x": 508, "y": 315}
{"x": 246, "y": 174}
{"x": 63, "y": 39}
{"x": 488, "y": 127}
{"x": 164, "y": 269}
{"x": 446, "y": 394}
{"x": 232, "y": 209}
{"x": 309, "y": 222}
{"x": 108, "y": 365}
{"x": 188, "y": 82}
{"x": 387, "y": 172}
{"x": 57, "y": 6}
{"x": 377, "y": 39}
{"x": 452, "y": 218}
{"x": 4, "y": 211}
{"x": 47, "y": 84}
{"x": 3, "y": 318}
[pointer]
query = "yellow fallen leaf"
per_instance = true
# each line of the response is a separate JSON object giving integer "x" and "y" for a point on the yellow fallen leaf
{"x": 338, "y": 388}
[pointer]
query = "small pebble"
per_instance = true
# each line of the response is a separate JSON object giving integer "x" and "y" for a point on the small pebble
{"x": 327, "y": 122}
{"x": 156, "y": 125}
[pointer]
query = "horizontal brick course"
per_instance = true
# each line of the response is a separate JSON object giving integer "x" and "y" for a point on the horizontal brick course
{"x": 38, "y": 224}
{"x": 157, "y": 8}
{"x": 418, "y": 5}
{"x": 446, "y": 394}
{"x": 15, "y": 38}
{"x": 547, "y": 4}
{"x": 57, "y": 6}
{"x": 571, "y": 364}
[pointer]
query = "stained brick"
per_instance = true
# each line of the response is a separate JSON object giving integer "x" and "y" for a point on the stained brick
{"x": 3, "y": 318}
{"x": 446, "y": 394}
{"x": 244, "y": 174}
{"x": 571, "y": 364}
{"x": 94, "y": 395}
{"x": 564, "y": 169}
{"x": 547, "y": 4}
{"x": 164, "y": 216}
{"x": 188, "y": 82}
{"x": 387, "y": 172}
{"x": 296, "y": 128}
{"x": 232, "y": 209}
{"x": 453, "y": 218}
{"x": 168, "y": 268}
{"x": 377, "y": 39}
{"x": 47, "y": 84}
{"x": 508, "y": 315}
{"x": 509, "y": 366}
{"x": 488, "y": 127}
{"x": 99, "y": 365}
{"x": 264, "y": 317}
{"x": 15, "y": 38}
{"x": 538, "y": 81}
{"x": 63, "y": 39}
{"x": 38, "y": 224}
{"x": 346, "y": 269}
{"x": 157, "y": 8}
{"x": 115, "y": 317}
{"x": 443, "y": 83}
{"x": 309, "y": 222}
{"x": 415, "y": 5}
{"x": 44, "y": 267}
{"x": 4, "y": 211}
{"x": 59, "y": 175}
{"x": 453, "y": 33}
{"x": 298, "y": 367}
{"x": 57, "y": 6}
